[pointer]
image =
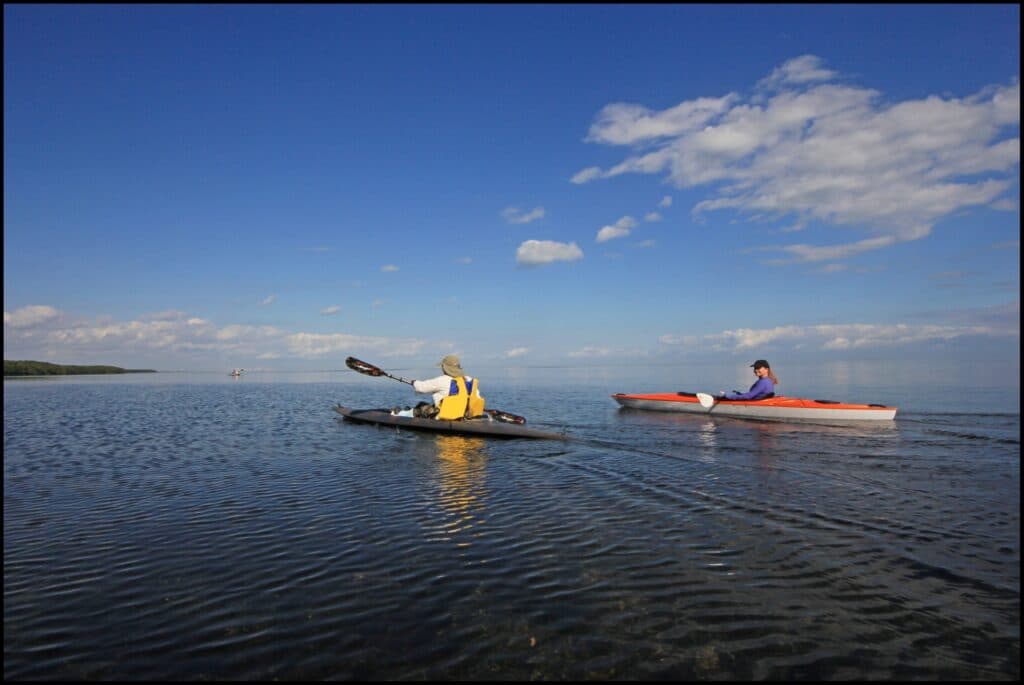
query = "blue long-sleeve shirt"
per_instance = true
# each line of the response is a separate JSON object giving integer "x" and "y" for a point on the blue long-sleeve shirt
{"x": 762, "y": 388}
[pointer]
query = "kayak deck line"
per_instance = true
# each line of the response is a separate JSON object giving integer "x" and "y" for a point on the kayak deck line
{"x": 777, "y": 407}
{"x": 483, "y": 426}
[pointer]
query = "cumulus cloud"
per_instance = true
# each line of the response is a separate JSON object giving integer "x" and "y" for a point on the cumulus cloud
{"x": 652, "y": 216}
{"x": 268, "y": 300}
{"x": 328, "y": 311}
{"x": 312, "y": 345}
{"x": 666, "y": 202}
{"x": 807, "y": 148}
{"x": 516, "y": 352}
{"x": 620, "y": 229}
{"x": 538, "y": 252}
{"x": 514, "y": 215}
{"x": 389, "y": 268}
{"x": 41, "y": 331}
{"x": 855, "y": 335}
{"x": 32, "y": 315}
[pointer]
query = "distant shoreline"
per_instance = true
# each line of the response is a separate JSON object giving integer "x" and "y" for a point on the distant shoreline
{"x": 34, "y": 368}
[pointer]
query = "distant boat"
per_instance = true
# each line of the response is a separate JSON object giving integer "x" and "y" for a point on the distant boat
{"x": 236, "y": 372}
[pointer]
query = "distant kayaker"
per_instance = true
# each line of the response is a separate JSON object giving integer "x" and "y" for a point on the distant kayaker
{"x": 763, "y": 387}
{"x": 456, "y": 395}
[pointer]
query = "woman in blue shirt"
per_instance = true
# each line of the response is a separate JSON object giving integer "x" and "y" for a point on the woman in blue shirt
{"x": 763, "y": 387}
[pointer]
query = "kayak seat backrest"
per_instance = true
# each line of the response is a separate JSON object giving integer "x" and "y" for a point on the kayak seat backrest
{"x": 687, "y": 394}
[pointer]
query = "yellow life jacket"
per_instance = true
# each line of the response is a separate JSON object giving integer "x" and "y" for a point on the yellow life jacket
{"x": 463, "y": 401}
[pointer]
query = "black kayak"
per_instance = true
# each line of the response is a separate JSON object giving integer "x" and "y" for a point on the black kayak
{"x": 485, "y": 425}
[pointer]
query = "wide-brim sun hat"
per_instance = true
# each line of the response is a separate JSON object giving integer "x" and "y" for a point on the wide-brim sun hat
{"x": 450, "y": 365}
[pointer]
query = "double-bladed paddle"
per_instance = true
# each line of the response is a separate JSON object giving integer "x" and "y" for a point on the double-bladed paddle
{"x": 371, "y": 370}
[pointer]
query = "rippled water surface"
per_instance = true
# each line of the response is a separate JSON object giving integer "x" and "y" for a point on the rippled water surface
{"x": 192, "y": 527}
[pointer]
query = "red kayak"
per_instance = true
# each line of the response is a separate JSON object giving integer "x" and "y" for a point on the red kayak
{"x": 770, "y": 408}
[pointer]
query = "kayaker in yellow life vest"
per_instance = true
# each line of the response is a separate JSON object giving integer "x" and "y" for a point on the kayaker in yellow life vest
{"x": 456, "y": 395}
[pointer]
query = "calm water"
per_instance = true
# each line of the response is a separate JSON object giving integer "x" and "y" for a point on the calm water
{"x": 188, "y": 526}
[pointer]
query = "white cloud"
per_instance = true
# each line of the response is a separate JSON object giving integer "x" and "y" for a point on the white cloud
{"x": 328, "y": 311}
{"x": 857, "y": 335}
{"x": 60, "y": 336}
{"x": 268, "y": 300}
{"x": 586, "y": 175}
{"x": 622, "y": 123}
{"x": 514, "y": 215}
{"x": 312, "y": 345}
{"x": 798, "y": 70}
{"x": 536, "y": 252}
{"x": 32, "y": 315}
{"x": 652, "y": 216}
{"x": 666, "y": 202}
{"x": 389, "y": 268}
{"x": 808, "y": 149}
{"x": 669, "y": 339}
{"x": 620, "y": 229}
{"x": 516, "y": 352}
{"x": 591, "y": 351}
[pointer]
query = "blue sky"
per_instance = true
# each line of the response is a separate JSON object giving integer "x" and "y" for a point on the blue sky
{"x": 279, "y": 187}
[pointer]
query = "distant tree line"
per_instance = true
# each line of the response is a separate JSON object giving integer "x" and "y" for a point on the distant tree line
{"x": 32, "y": 368}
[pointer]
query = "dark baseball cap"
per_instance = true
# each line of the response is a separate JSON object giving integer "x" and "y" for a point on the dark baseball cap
{"x": 761, "y": 362}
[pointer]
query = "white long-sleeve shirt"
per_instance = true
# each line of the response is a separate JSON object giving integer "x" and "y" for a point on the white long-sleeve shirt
{"x": 440, "y": 387}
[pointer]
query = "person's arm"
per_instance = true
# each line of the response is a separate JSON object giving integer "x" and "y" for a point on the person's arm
{"x": 762, "y": 387}
{"x": 433, "y": 385}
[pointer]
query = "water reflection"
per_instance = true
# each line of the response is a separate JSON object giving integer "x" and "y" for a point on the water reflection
{"x": 461, "y": 482}
{"x": 706, "y": 434}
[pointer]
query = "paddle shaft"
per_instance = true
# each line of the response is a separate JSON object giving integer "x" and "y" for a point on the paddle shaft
{"x": 397, "y": 378}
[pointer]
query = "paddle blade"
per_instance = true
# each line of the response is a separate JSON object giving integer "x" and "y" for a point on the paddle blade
{"x": 362, "y": 367}
{"x": 706, "y": 400}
